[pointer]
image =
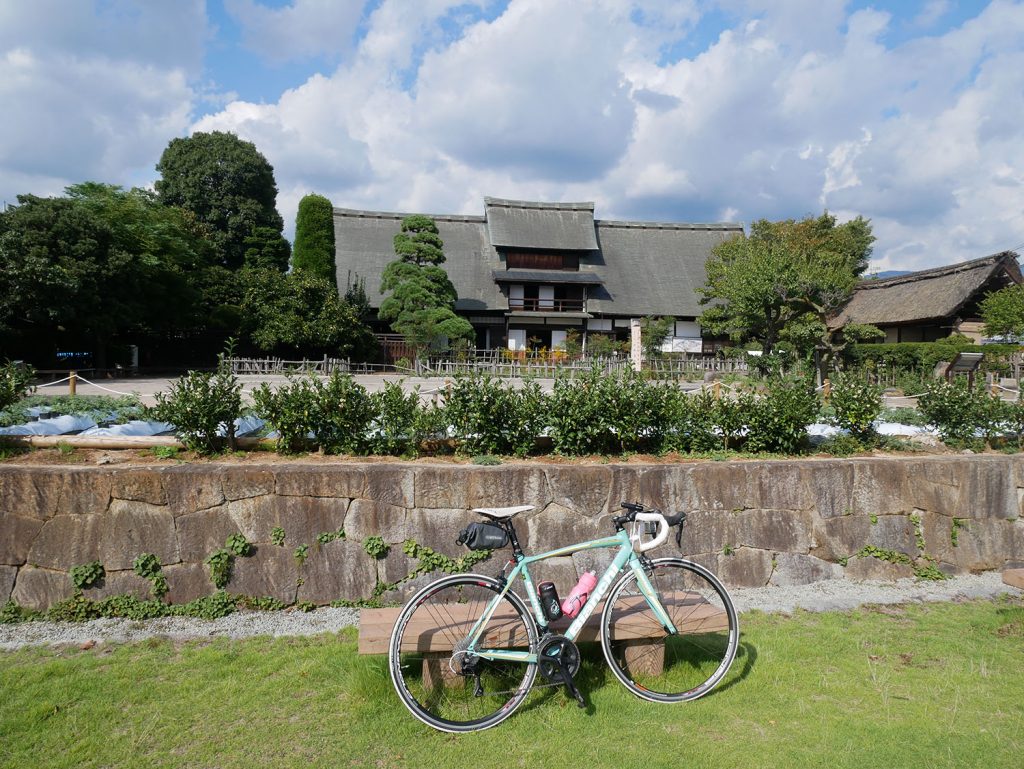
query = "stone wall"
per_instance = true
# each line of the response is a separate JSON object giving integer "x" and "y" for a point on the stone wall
{"x": 780, "y": 522}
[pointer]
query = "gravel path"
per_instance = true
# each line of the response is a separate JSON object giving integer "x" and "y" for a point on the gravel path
{"x": 832, "y": 595}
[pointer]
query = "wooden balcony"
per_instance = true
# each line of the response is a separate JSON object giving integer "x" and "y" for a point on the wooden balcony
{"x": 547, "y": 305}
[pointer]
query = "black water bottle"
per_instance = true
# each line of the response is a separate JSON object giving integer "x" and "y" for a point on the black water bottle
{"x": 549, "y": 602}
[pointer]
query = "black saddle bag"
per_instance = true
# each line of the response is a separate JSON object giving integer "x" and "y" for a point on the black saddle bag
{"x": 483, "y": 536}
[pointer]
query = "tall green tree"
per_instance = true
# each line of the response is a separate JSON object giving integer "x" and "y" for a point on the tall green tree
{"x": 229, "y": 186}
{"x": 97, "y": 263}
{"x": 1003, "y": 312}
{"x": 785, "y": 281}
{"x": 421, "y": 306}
{"x": 314, "y": 238}
{"x": 301, "y": 313}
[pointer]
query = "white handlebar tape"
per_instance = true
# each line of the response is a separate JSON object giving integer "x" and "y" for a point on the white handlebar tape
{"x": 659, "y": 538}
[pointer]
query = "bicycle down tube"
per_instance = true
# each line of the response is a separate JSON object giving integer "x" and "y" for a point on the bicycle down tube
{"x": 625, "y": 556}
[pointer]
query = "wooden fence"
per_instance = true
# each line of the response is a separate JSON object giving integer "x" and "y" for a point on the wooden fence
{"x": 551, "y": 364}
{"x": 264, "y": 366}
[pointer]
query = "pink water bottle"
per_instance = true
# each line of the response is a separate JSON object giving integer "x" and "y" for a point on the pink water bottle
{"x": 578, "y": 596}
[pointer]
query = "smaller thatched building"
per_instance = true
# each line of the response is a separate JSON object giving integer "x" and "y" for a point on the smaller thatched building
{"x": 931, "y": 304}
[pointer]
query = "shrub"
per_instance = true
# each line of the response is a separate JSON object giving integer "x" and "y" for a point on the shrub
{"x": 857, "y": 405}
{"x": 601, "y": 414}
{"x": 960, "y": 412}
{"x": 201, "y": 406}
{"x": 777, "y": 422}
{"x": 395, "y": 429}
{"x": 490, "y": 416}
{"x": 14, "y": 383}
{"x": 337, "y": 413}
{"x": 87, "y": 575}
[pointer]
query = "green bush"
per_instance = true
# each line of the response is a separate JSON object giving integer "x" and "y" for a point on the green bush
{"x": 87, "y": 575}
{"x": 856, "y": 404}
{"x": 397, "y": 422}
{"x": 777, "y": 422}
{"x": 199, "y": 405}
{"x": 337, "y": 412}
{"x": 960, "y": 412}
{"x": 607, "y": 413}
{"x": 14, "y": 383}
{"x": 492, "y": 416}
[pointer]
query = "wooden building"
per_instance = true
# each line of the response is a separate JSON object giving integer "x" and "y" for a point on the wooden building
{"x": 528, "y": 273}
{"x": 931, "y": 304}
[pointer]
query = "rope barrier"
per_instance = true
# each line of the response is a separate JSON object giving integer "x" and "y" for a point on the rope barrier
{"x": 116, "y": 392}
{"x": 51, "y": 384}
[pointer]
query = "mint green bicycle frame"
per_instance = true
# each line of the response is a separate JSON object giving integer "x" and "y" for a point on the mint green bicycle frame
{"x": 625, "y": 557}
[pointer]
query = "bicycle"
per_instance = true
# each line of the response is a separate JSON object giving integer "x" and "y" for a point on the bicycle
{"x": 466, "y": 649}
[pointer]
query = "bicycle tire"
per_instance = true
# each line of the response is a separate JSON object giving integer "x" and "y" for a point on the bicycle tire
{"x": 645, "y": 658}
{"x": 432, "y": 687}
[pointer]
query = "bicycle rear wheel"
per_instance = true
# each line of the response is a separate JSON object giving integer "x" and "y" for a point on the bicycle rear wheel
{"x": 670, "y": 668}
{"x": 433, "y": 675}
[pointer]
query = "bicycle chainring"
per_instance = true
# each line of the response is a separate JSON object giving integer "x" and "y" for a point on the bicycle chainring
{"x": 553, "y": 648}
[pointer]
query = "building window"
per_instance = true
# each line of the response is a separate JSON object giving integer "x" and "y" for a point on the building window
{"x": 527, "y": 260}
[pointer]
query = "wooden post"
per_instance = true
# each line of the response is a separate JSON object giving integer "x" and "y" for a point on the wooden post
{"x": 73, "y": 383}
{"x": 716, "y": 388}
{"x": 826, "y": 390}
{"x": 635, "y": 345}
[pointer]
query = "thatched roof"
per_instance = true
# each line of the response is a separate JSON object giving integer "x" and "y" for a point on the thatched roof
{"x": 634, "y": 269}
{"x": 526, "y": 224}
{"x": 928, "y": 295}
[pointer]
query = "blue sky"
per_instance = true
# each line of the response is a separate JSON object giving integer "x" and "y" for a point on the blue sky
{"x": 908, "y": 113}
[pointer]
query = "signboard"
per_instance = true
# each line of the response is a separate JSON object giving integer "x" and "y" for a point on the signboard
{"x": 682, "y": 344}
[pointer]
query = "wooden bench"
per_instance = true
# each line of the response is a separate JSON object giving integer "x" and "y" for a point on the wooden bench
{"x": 1014, "y": 577}
{"x": 644, "y": 650}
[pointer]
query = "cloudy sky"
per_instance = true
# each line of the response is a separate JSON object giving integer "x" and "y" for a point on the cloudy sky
{"x": 910, "y": 113}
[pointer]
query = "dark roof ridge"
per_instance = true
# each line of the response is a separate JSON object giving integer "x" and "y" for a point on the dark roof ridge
{"x": 360, "y": 214}
{"x": 505, "y": 203}
{"x": 669, "y": 225}
{"x": 937, "y": 272}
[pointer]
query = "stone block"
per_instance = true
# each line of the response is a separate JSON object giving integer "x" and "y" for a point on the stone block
{"x": 581, "y": 489}
{"x": 727, "y": 486}
{"x": 837, "y": 538}
{"x": 85, "y": 492}
{"x": 777, "y": 530}
{"x": 255, "y": 517}
{"x": 320, "y": 480}
{"x": 39, "y": 589}
{"x": 507, "y": 486}
{"x": 981, "y": 544}
{"x": 989, "y": 489}
{"x": 829, "y": 486}
{"x": 131, "y": 528}
{"x": 7, "y": 577}
{"x": 796, "y": 569}
{"x": 31, "y": 492}
{"x": 65, "y": 541}
{"x": 438, "y": 528}
{"x": 203, "y": 532}
{"x": 396, "y": 565}
{"x": 407, "y": 590}
{"x": 305, "y": 518}
{"x": 339, "y": 569}
{"x": 120, "y": 583}
{"x": 708, "y": 531}
{"x": 243, "y": 482}
{"x": 269, "y": 571}
{"x": 935, "y": 485}
{"x": 190, "y": 488}
{"x": 781, "y": 486}
{"x": 16, "y": 536}
{"x": 367, "y": 518}
{"x": 139, "y": 486}
{"x": 625, "y": 487}
{"x": 745, "y": 567}
{"x": 879, "y": 487}
{"x": 187, "y": 582}
{"x": 668, "y": 488}
{"x": 870, "y": 568}
{"x": 441, "y": 487}
{"x": 391, "y": 484}
{"x": 556, "y": 526}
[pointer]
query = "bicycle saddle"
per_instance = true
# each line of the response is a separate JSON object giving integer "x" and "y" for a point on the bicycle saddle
{"x": 497, "y": 513}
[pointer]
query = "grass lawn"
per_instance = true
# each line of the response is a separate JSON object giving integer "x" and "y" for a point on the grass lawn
{"x": 919, "y": 686}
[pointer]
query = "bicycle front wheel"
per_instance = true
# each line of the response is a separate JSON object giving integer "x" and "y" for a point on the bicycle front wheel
{"x": 441, "y": 683}
{"x": 670, "y": 668}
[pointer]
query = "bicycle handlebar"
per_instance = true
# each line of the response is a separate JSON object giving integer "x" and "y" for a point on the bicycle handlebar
{"x": 638, "y": 512}
{"x": 661, "y": 536}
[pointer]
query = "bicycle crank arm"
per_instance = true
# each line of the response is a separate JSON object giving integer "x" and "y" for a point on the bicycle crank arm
{"x": 570, "y": 685}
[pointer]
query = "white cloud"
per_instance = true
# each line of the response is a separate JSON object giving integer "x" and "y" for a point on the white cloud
{"x": 302, "y": 30}
{"x": 93, "y": 93}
